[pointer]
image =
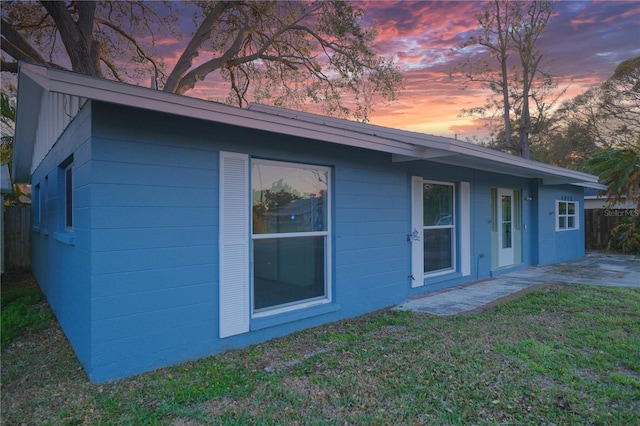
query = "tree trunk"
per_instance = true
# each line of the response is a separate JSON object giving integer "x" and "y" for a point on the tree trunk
{"x": 77, "y": 37}
{"x": 507, "y": 105}
{"x": 525, "y": 120}
{"x": 503, "y": 42}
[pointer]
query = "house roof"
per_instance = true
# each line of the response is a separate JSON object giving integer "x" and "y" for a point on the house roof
{"x": 592, "y": 194}
{"x": 49, "y": 98}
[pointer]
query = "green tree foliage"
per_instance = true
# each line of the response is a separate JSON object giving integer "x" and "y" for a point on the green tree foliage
{"x": 565, "y": 144}
{"x": 7, "y": 121}
{"x": 606, "y": 116}
{"x": 620, "y": 169}
{"x": 626, "y": 237}
{"x": 287, "y": 53}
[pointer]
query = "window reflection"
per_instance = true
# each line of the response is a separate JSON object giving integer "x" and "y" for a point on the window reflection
{"x": 290, "y": 230}
{"x": 438, "y": 226}
{"x": 288, "y": 199}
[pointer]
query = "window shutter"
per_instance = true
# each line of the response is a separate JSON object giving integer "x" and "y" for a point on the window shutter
{"x": 465, "y": 229}
{"x": 494, "y": 209}
{"x": 417, "y": 232}
{"x": 517, "y": 209}
{"x": 234, "y": 244}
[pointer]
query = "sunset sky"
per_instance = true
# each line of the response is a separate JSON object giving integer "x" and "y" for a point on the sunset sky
{"x": 584, "y": 42}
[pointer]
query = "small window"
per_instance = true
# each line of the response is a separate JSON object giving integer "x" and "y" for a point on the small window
{"x": 68, "y": 197}
{"x": 566, "y": 215}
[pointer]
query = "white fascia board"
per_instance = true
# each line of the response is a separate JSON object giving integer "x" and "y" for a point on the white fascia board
{"x": 590, "y": 185}
{"x": 405, "y": 136}
{"x": 30, "y": 92}
{"x": 402, "y": 144}
{"x": 151, "y": 99}
{"x": 441, "y": 149}
{"x": 552, "y": 175}
{"x": 422, "y": 153}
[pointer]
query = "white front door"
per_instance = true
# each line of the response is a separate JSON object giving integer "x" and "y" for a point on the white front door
{"x": 505, "y": 227}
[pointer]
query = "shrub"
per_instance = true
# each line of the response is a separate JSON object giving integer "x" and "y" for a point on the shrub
{"x": 626, "y": 237}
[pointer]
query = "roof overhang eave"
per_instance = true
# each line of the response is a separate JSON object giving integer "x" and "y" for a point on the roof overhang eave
{"x": 594, "y": 185}
{"x": 37, "y": 79}
{"x": 402, "y": 145}
{"x": 505, "y": 164}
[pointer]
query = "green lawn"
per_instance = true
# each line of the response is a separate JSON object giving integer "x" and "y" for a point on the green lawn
{"x": 558, "y": 355}
{"x": 23, "y": 309}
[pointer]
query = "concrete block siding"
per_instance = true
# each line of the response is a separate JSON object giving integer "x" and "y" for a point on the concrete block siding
{"x": 136, "y": 284}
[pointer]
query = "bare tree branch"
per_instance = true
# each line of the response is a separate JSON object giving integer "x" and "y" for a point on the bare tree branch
{"x": 287, "y": 52}
{"x": 112, "y": 68}
{"x": 11, "y": 67}
{"x": 139, "y": 49}
{"x": 16, "y": 46}
{"x": 202, "y": 34}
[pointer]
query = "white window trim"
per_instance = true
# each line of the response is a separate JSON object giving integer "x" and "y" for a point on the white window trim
{"x": 308, "y": 303}
{"x": 576, "y": 216}
{"x": 454, "y": 265}
{"x": 66, "y": 195}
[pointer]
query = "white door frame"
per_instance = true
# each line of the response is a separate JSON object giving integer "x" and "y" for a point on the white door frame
{"x": 506, "y": 229}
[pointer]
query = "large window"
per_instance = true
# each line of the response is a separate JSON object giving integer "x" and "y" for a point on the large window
{"x": 566, "y": 215}
{"x": 439, "y": 227}
{"x": 290, "y": 228}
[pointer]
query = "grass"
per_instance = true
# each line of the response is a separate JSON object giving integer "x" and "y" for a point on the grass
{"x": 559, "y": 355}
{"x": 23, "y": 310}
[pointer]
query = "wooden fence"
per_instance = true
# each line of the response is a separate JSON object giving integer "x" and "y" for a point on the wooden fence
{"x": 17, "y": 237}
{"x": 598, "y": 226}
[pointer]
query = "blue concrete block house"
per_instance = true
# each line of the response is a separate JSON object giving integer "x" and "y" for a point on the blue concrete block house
{"x": 168, "y": 228}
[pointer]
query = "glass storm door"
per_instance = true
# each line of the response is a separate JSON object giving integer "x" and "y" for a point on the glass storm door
{"x": 505, "y": 227}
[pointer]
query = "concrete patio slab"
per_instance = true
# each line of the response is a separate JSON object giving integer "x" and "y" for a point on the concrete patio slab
{"x": 607, "y": 270}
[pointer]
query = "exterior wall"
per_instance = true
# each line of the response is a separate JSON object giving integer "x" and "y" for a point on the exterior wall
{"x": 155, "y": 233}
{"x": 557, "y": 246}
{"x": 481, "y": 183}
{"x": 61, "y": 260}
{"x": 136, "y": 288}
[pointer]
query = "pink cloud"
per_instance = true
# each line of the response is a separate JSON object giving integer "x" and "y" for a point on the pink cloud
{"x": 583, "y": 44}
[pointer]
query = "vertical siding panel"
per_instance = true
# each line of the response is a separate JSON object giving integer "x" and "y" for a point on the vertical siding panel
{"x": 234, "y": 244}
